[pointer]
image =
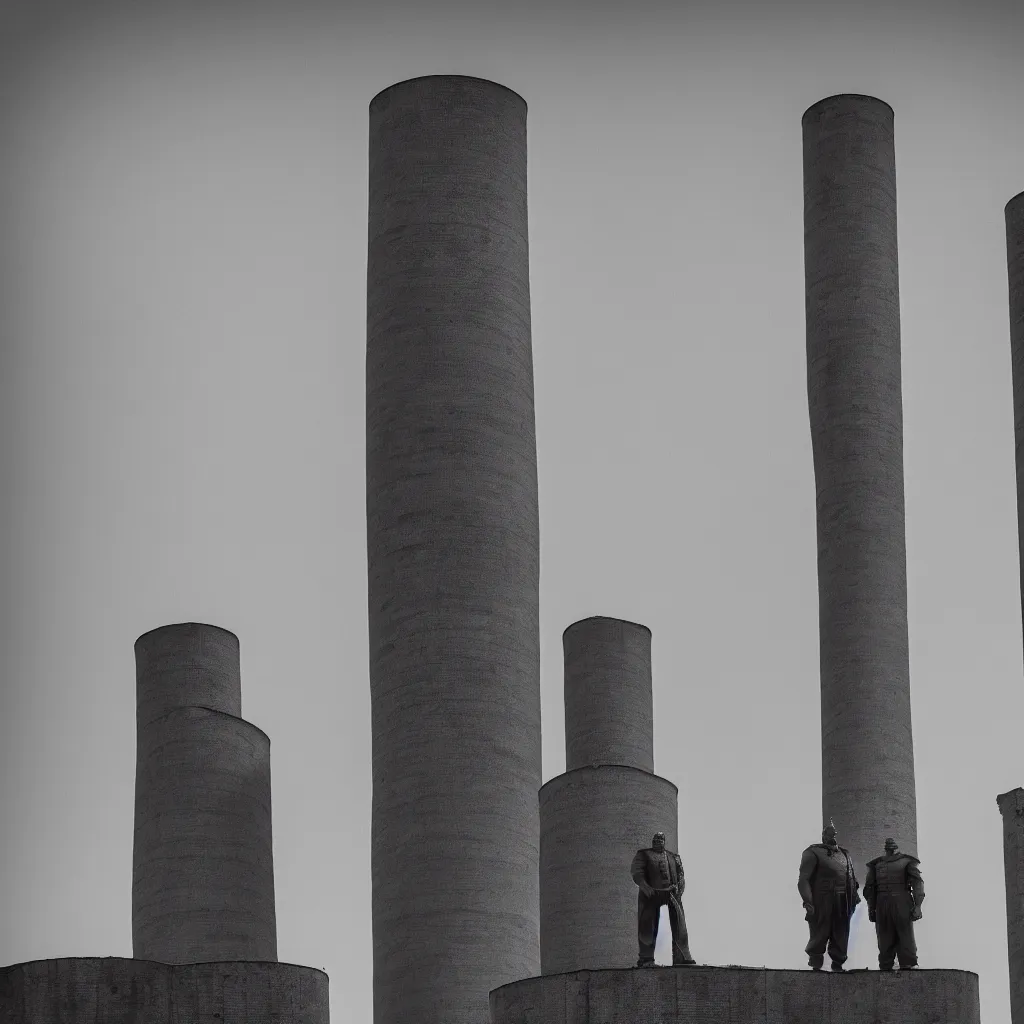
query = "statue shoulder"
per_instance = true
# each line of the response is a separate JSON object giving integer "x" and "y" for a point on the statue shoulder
{"x": 815, "y": 846}
{"x": 875, "y": 860}
{"x": 910, "y": 857}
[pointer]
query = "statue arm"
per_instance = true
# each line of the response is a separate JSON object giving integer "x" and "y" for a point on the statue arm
{"x": 869, "y": 888}
{"x": 638, "y": 869}
{"x": 916, "y": 883}
{"x": 679, "y": 870}
{"x": 856, "y": 884}
{"x": 808, "y": 862}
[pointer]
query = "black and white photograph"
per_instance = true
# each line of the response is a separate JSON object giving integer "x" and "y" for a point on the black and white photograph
{"x": 511, "y": 513}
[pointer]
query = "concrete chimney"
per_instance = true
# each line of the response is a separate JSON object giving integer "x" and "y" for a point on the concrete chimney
{"x": 1011, "y": 807}
{"x": 1014, "y": 214}
{"x": 203, "y": 867}
{"x": 606, "y": 806}
{"x": 453, "y": 551}
{"x": 856, "y": 414}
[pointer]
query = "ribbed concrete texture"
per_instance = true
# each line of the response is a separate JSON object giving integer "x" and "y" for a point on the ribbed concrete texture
{"x": 1015, "y": 275}
{"x": 856, "y": 414}
{"x": 203, "y": 866}
{"x": 609, "y": 709}
{"x": 83, "y": 990}
{"x": 740, "y": 995}
{"x": 188, "y": 664}
{"x": 1011, "y": 807}
{"x": 592, "y": 822}
{"x": 452, "y": 539}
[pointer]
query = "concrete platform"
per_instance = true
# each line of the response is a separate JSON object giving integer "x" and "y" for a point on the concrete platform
{"x": 115, "y": 990}
{"x": 739, "y": 995}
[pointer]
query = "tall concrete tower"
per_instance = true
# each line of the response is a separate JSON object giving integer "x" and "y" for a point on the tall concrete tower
{"x": 1011, "y": 807}
{"x": 203, "y": 864}
{"x": 453, "y": 551}
{"x": 607, "y": 805}
{"x": 856, "y": 412}
{"x": 1014, "y": 214}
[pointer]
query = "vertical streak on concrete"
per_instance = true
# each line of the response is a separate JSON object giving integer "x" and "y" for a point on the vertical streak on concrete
{"x": 856, "y": 414}
{"x": 1011, "y": 807}
{"x": 202, "y": 864}
{"x": 609, "y": 709}
{"x": 453, "y": 551}
{"x": 1014, "y": 213}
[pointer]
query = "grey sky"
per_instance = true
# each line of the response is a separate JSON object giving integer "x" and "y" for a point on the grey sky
{"x": 182, "y": 318}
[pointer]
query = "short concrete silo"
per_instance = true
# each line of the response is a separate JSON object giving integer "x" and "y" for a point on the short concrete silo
{"x": 203, "y": 866}
{"x": 607, "y": 805}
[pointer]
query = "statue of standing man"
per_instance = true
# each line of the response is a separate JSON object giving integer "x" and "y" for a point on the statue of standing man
{"x": 828, "y": 887}
{"x": 894, "y": 891}
{"x": 659, "y": 874}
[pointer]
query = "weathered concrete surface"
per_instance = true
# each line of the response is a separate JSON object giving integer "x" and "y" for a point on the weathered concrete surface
{"x": 83, "y": 990}
{"x": 203, "y": 870}
{"x": 1014, "y": 214}
{"x": 856, "y": 415}
{"x": 740, "y": 995}
{"x": 1011, "y": 807}
{"x": 203, "y": 865}
{"x": 453, "y": 551}
{"x": 188, "y": 664}
{"x": 592, "y": 822}
{"x": 609, "y": 709}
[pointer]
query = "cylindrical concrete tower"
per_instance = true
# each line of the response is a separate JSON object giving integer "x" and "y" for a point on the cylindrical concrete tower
{"x": 609, "y": 709}
{"x": 203, "y": 870}
{"x": 1011, "y": 807}
{"x": 1014, "y": 213}
{"x": 606, "y": 806}
{"x": 856, "y": 413}
{"x": 453, "y": 552}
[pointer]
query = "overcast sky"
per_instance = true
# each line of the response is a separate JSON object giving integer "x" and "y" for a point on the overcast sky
{"x": 182, "y": 318}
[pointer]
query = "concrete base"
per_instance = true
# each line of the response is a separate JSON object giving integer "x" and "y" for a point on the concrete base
{"x": 739, "y": 995}
{"x": 115, "y": 990}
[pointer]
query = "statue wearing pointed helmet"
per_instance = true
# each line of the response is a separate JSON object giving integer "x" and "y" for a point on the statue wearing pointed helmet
{"x": 828, "y": 888}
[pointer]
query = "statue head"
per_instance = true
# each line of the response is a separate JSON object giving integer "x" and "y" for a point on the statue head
{"x": 658, "y": 842}
{"x": 829, "y": 836}
{"x": 891, "y": 847}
